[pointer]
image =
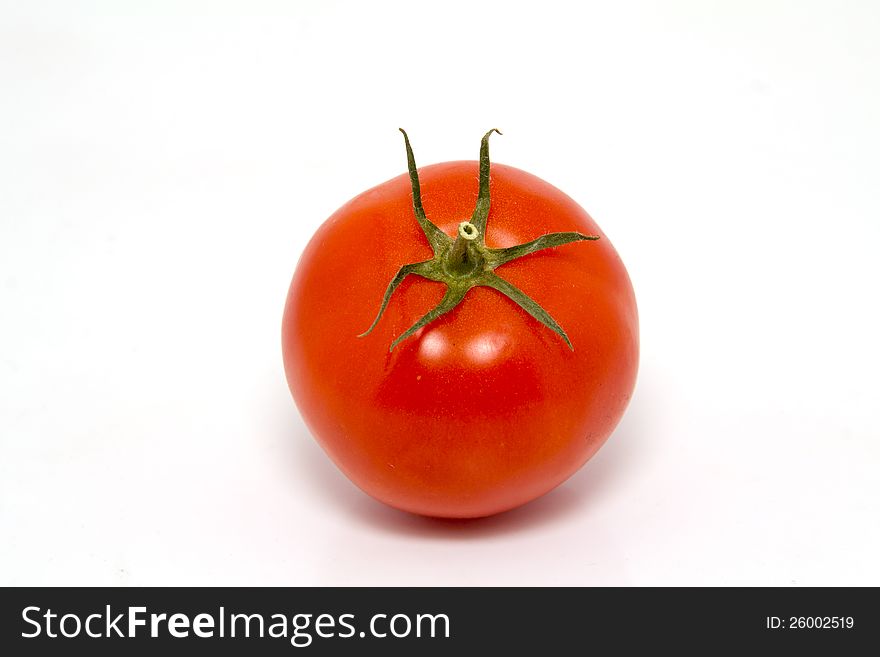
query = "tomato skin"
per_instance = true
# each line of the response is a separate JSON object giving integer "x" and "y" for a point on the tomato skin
{"x": 484, "y": 409}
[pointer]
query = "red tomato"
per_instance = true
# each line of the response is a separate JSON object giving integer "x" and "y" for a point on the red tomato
{"x": 485, "y": 408}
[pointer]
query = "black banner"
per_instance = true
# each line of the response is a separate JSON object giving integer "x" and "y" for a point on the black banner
{"x": 113, "y": 621}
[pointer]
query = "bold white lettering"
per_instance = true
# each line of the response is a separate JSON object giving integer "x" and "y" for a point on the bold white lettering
{"x": 178, "y": 625}
{"x": 203, "y": 626}
{"x": 134, "y": 621}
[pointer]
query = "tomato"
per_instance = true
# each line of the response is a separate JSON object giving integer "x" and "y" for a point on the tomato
{"x": 487, "y": 405}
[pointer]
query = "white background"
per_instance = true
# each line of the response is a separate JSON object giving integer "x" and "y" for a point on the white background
{"x": 163, "y": 165}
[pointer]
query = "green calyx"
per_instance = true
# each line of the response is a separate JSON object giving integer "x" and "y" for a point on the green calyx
{"x": 465, "y": 261}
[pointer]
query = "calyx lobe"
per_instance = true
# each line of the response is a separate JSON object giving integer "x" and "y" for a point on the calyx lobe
{"x": 466, "y": 262}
